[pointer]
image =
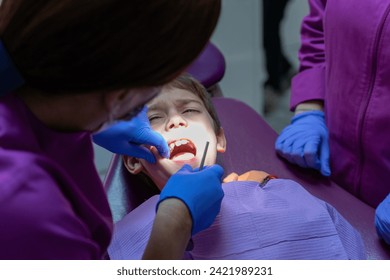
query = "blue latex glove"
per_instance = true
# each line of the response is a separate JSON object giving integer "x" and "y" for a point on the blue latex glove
{"x": 201, "y": 191}
{"x": 305, "y": 141}
{"x": 126, "y": 137}
{"x": 382, "y": 219}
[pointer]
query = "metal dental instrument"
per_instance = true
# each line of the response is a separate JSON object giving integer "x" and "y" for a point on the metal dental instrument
{"x": 204, "y": 156}
{"x": 190, "y": 244}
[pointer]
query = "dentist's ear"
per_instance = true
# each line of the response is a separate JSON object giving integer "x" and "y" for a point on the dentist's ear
{"x": 132, "y": 164}
{"x": 221, "y": 141}
{"x": 113, "y": 99}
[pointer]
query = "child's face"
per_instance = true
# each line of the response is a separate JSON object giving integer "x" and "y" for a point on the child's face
{"x": 182, "y": 119}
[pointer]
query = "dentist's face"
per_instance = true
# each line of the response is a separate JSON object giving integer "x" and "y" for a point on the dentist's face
{"x": 124, "y": 105}
{"x": 182, "y": 119}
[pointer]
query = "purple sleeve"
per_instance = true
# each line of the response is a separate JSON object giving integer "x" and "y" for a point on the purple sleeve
{"x": 37, "y": 221}
{"x": 309, "y": 83}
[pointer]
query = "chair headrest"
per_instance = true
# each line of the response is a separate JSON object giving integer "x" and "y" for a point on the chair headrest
{"x": 209, "y": 67}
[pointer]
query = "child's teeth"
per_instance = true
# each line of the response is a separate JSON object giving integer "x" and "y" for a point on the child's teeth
{"x": 178, "y": 143}
{"x": 181, "y": 142}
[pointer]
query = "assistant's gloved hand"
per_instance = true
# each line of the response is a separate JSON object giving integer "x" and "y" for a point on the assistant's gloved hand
{"x": 126, "y": 137}
{"x": 201, "y": 191}
{"x": 382, "y": 219}
{"x": 305, "y": 141}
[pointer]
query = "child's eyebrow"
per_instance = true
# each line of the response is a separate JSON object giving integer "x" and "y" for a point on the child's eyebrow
{"x": 179, "y": 102}
{"x": 186, "y": 101}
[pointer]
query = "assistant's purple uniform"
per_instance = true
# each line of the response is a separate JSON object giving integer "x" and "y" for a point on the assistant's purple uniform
{"x": 345, "y": 61}
{"x": 52, "y": 202}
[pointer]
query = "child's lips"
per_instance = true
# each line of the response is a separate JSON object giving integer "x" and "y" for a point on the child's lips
{"x": 182, "y": 149}
{"x": 183, "y": 157}
{"x": 179, "y": 158}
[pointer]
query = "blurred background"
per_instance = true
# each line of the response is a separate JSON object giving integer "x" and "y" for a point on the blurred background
{"x": 239, "y": 36}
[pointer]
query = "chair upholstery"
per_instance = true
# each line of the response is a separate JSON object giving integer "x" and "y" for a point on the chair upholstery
{"x": 250, "y": 146}
{"x": 209, "y": 67}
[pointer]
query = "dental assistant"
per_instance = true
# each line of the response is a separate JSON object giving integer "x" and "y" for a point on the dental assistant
{"x": 341, "y": 100}
{"x": 72, "y": 70}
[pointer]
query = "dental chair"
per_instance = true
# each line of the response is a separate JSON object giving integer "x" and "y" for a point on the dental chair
{"x": 251, "y": 147}
{"x": 209, "y": 69}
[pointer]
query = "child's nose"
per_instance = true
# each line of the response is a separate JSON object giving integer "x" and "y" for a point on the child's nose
{"x": 176, "y": 121}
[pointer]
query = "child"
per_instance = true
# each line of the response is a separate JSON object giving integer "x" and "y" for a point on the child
{"x": 261, "y": 217}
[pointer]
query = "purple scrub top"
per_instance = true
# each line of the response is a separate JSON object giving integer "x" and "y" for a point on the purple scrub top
{"x": 52, "y": 202}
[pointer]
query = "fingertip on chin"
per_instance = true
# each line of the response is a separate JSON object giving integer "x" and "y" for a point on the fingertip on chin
{"x": 164, "y": 153}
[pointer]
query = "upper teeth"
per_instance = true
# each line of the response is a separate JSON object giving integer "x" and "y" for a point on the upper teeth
{"x": 178, "y": 143}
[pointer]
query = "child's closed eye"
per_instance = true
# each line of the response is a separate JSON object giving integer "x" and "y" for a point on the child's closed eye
{"x": 191, "y": 110}
{"x": 154, "y": 118}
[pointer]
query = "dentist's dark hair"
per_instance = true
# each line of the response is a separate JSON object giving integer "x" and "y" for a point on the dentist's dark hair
{"x": 88, "y": 45}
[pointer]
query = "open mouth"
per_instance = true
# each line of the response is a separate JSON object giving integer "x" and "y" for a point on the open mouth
{"x": 182, "y": 149}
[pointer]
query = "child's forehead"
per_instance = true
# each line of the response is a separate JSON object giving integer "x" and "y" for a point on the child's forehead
{"x": 174, "y": 96}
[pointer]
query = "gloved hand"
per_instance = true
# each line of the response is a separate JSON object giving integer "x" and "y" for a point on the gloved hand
{"x": 201, "y": 191}
{"x": 305, "y": 141}
{"x": 126, "y": 137}
{"x": 382, "y": 219}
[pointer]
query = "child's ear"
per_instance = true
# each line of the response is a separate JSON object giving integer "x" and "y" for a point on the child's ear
{"x": 221, "y": 141}
{"x": 132, "y": 164}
